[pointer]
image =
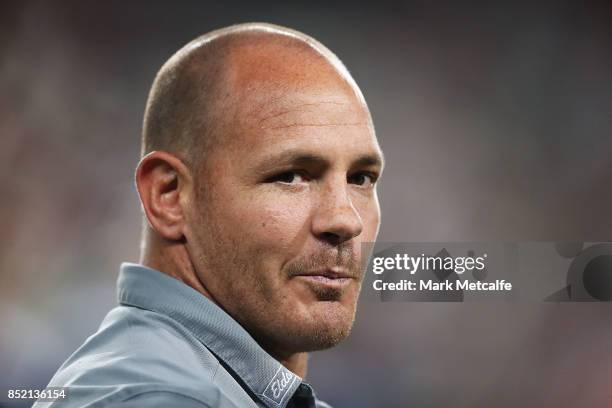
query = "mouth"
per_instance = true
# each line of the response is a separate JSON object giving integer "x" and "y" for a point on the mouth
{"x": 337, "y": 278}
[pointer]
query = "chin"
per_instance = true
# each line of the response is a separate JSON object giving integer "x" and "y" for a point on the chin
{"x": 327, "y": 325}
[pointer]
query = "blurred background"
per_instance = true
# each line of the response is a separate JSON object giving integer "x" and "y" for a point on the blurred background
{"x": 496, "y": 121}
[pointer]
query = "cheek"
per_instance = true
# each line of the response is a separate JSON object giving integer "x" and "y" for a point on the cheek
{"x": 268, "y": 221}
{"x": 280, "y": 223}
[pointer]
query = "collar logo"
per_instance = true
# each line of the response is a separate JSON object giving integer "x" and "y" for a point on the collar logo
{"x": 277, "y": 388}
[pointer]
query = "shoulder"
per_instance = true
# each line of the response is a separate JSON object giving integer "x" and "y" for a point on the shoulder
{"x": 139, "y": 356}
{"x": 162, "y": 398}
{"x": 144, "y": 395}
{"x": 136, "y": 346}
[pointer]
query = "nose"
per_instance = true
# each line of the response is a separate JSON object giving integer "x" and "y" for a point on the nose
{"x": 336, "y": 219}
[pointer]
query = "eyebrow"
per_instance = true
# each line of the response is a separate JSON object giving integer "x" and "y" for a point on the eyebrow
{"x": 308, "y": 158}
{"x": 377, "y": 160}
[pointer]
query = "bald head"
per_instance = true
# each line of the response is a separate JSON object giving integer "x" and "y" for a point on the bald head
{"x": 232, "y": 74}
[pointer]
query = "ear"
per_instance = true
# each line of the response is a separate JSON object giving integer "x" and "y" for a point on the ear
{"x": 162, "y": 181}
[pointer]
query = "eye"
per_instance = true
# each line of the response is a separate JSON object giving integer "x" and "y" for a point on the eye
{"x": 362, "y": 179}
{"x": 288, "y": 177}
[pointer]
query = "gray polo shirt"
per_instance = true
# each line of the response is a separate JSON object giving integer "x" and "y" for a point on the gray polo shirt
{"x": 167, "y": 345}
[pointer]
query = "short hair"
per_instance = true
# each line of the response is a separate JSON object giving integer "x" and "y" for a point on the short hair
{"x": 181, "y": 111}
{"x": 179, "y": 105}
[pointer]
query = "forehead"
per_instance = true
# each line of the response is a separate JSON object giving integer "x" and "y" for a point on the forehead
{"x": 321, "y": 121}
{"x": 280, "y": 95}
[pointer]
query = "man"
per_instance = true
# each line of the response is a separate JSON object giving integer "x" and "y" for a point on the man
{"x": 258, "y": 184}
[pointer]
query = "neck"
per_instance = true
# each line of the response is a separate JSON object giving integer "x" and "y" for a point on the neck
{"x": 173, "y": 259}
{"x": 296, "y": 363}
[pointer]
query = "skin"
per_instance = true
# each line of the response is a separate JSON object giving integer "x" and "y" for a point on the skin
{"x": 269, "y": 224}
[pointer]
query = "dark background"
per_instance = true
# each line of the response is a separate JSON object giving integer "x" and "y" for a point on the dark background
{"x": 495, "y": 119}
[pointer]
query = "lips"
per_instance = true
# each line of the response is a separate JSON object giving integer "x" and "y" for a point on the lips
{"x": 329, "y": 273}
{"x": 327, "y": 283}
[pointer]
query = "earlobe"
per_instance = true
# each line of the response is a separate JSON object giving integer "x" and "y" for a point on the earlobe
{"x": 160, "y": 179}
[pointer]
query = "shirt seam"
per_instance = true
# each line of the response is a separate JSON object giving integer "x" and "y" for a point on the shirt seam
{"x": 214, "y": 376}
{"x": 167, "y": 391}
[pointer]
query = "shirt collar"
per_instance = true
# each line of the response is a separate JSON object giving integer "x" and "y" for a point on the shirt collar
{"x": 264, "y": 376}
